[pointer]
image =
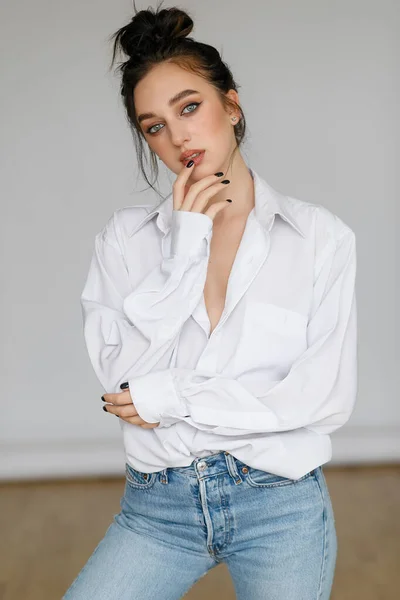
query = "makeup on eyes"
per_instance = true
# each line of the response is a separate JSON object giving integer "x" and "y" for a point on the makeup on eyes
{"x": 148, "y": 131}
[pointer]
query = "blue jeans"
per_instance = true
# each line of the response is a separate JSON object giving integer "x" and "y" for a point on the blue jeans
{"x": 276, "y": 535}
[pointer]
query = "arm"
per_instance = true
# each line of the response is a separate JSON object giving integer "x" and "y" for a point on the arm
{"x": 127, "y": 332}
{"x": 318, "y": 393}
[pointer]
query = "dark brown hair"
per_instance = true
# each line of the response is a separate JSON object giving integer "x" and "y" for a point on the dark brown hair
{"x": 152, "y": 37}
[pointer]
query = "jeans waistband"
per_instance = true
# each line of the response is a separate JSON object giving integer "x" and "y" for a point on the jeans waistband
{"x": 209, "y": 466}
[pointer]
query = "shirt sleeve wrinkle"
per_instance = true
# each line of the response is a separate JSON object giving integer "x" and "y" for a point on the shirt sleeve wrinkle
{"x": 318, "y": 393}
{"x": 127, "y": 332}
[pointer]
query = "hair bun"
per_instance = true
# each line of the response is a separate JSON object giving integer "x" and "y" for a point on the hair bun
{"x": 150, "y": 31}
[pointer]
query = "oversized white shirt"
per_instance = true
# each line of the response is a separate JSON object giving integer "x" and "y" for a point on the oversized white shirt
{"x": 279, "y": 372}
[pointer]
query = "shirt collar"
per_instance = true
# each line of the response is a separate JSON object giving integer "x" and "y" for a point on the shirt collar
{"x": 268, "y": 203}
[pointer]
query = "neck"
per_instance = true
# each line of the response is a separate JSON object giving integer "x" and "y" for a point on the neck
{"x": 240, "y": 190}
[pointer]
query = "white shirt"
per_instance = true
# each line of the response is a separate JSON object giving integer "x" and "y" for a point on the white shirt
{"x": 279, "y": 372}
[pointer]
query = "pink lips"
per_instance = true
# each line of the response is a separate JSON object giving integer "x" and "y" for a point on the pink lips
{"x": 196, "y": 159}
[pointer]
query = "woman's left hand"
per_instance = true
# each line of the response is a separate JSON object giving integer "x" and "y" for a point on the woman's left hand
{"x": 122, "y": 406}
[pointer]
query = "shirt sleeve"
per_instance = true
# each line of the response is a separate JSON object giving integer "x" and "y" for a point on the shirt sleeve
{"x": 127, "y": 331}
{"x": 318, "y": 393}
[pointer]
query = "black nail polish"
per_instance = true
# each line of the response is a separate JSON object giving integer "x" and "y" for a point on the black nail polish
{"x": 103, "y": 398}
{"x": 228, "y": 200}
{"x": 225, "y": 181}
{"x": 190, "y": 163}
{"x": 124, "y": 385}
{"x": 105, "y": 408}
{"x": 219, "y": 174}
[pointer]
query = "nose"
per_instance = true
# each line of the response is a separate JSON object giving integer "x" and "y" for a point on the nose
{"x": 179, "y": 134}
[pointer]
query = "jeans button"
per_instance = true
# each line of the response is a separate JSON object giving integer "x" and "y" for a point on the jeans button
{"x": 201, "y": 466}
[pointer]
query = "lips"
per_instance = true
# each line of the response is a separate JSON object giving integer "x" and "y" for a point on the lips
{"x": 186, "y": 156}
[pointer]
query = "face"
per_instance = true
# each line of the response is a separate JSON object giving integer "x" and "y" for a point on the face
{"x": 197, "y": 121}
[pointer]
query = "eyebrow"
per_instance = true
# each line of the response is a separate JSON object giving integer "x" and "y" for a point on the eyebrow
{"x": 171, "y": 102}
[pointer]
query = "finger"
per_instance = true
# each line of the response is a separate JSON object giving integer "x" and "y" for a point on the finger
{"x": 179, "y": 186}
{"x": 205, "y": 188}
{"x": 139, "y": 422}
{"x": 129, "y": 414}
{"x": 127, "y": 410}
{"x": 215, "y": 208}
{"x": 205, "y": 196}
{"x": 120, "y": 398}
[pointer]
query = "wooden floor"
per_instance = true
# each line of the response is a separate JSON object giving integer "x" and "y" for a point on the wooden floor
{"x": 49, "y": 529}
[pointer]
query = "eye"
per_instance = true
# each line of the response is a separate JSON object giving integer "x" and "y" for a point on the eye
{"x": 195, "y": 104}
{"x": 150, "y": 129}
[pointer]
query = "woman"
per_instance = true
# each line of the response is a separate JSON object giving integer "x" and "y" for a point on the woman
{"x": 226, "y": 314}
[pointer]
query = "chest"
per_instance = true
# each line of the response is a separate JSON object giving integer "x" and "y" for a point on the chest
{"x": 225, "y": 243}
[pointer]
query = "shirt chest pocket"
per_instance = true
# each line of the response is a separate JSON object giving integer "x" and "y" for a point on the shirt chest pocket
{"x": 271, "y": 336}
{"x": 284, "y": 321}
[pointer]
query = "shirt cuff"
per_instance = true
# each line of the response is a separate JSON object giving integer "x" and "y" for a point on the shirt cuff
{"x": 156, "y": 399}
{"x": 190, "y": 233}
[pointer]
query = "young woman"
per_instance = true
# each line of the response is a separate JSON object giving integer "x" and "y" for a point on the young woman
{"x": 221, "y": 323}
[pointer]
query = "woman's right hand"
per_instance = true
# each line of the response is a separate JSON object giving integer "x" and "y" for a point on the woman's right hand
{"x": 199, "y": 193}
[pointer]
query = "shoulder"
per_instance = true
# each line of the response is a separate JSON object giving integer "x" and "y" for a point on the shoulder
{"x": 318, "y": 222}
{"x": 123, "y": 223}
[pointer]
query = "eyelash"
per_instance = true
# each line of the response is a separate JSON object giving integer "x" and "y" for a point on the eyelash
{"x": 192, "y": 111}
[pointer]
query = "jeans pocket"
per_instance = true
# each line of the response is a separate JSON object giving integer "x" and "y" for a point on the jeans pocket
{"x": 259, "y": 478}
{"x": 138, "y": 480}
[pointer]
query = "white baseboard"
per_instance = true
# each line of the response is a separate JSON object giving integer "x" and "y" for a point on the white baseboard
{"x": 63, "y": 459}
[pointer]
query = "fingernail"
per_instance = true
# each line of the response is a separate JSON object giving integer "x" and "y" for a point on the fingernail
{"x": 228, "y": 200}
{"x": 103, "y": 398}
{"x": 105, "y": 408}
{"x": 190, "y": 163}
{"x": 124, "y": 385}
{"x": 225, "y": 181}
{"x": 219, "y": 174}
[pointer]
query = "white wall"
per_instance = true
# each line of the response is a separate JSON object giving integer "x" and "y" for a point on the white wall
{"x": 320, "y": 89}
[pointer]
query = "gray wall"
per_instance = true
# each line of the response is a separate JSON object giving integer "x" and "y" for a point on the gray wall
{"x": 320, "y": 89}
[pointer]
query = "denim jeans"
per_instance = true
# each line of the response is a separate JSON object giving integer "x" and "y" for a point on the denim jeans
{"x": 276, "y": 535}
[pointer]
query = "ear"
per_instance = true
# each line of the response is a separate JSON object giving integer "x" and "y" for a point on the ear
{"x": 234, "y": 96}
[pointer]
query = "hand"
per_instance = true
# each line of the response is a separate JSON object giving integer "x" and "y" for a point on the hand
{"x": 122, "y": 406}
{"x": 194, "y": 198}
